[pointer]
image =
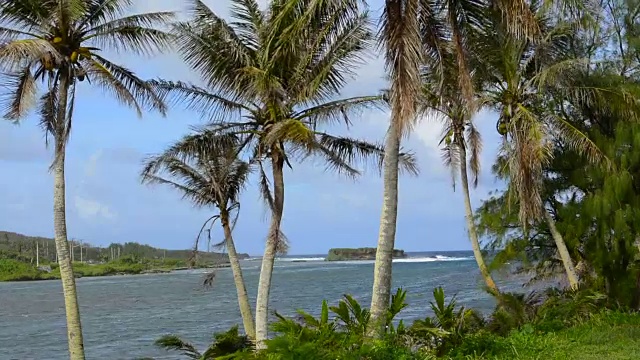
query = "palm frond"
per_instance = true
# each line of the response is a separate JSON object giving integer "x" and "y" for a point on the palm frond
{"x": 401, "y": 37}
{"x": 518, "y": 16}
{"x": 144, "y": 21}
{"x": 192, "y": 191}
{"x": 338, "y": 111}
{"x": 125, "y": 85}
{"x": 8, "y": 34}
{"x": 528, "y": 155}
{"x": 206, "y": 174}
{"x": 474, "y": 145}
{"x": 248, "y": 22}
{"x": 288, "y": 130}
{"x": 212, "y": 48}
{"x": 103, "y": 11}
{"x": 580, "y": 142}
{"x": 48, "y": 106}
{"x": 25, "y": 14}
{"x": 21, "y": 94}
{"x": 68, "y": 11}
{"x": 344, "y": 154}
{"x": 132, "y": 38}
{"x": 265, "y": 188}
{"x": 173, "y": 342}
{"x": 203, "y": 143}
{"x": 196, "y": 99}
{"x": 333, "y": 56}
{"x": 18, "y": 54}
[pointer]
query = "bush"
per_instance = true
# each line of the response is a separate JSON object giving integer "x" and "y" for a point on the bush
{"x": 14, "y": 270}
{"x": 563, "y": 309}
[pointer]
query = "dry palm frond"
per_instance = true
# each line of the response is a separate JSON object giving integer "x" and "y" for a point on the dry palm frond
{"x": 401, "y": 35}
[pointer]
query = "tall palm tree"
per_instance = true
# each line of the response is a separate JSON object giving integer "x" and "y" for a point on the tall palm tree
{"x": 445, "y": 102}
{"x": 212, "y": 178}
{"x": 530, "y": 84}
{"x": 400, "y": 35}
{"x": 272, "y": 78}
{"x": 59, "y": 43}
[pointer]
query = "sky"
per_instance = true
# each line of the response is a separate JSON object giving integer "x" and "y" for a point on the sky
{"x": 107, "y": 203}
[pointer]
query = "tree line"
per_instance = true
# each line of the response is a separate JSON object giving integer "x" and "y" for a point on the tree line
{"x": 34, "y": 249}
{"x": 561, "y": 76}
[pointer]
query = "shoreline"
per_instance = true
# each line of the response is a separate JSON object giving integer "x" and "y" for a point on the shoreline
{"x": 47, "y": 276}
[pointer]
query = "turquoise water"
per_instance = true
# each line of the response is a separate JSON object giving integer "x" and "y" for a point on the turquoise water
{"x": 123, "y": 315}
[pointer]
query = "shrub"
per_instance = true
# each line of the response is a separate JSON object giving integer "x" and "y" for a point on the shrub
{"x": 512, "y": 311}
{"x": 448, "y": 326}
{"x": 562, "y": 309}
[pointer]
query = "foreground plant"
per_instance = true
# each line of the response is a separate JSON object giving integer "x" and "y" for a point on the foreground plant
{"x": 59, "y": 43}
{"x": 272, "y": 79}
{"x": 214, "y": 178}
{"x": 340, "y": 332}
{"x": 448, "y": 326}
{"x": 225, "y": 345}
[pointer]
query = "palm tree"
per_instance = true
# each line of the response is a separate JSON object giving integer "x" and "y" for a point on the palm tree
{"x": 413, "y": 31}
{"x": 59, "y": 43}
{"x": 271, "y": 79}
{"x": 400, "y": 35}
{"x": 210, "y": 178}
{"x": 530, "y": 84}
{"x": 444, "y": 101}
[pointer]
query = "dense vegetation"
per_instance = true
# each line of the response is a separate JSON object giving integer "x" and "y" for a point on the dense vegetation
{"x": 562, "y": 78}
{"x": 20, "y": 255}
{"x": 551, "y": 325}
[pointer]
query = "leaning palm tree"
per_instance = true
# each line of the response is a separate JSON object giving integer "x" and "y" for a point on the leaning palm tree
{"x": 443, "y": 101}
{"x": 58, "y": 43}
{"x": 272, "y": 78}
{"x": 530, "y": 84}
{"x": 212, "y": 178}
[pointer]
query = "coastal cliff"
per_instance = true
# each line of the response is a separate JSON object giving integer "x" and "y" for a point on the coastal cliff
{"x": 343, "y": 254}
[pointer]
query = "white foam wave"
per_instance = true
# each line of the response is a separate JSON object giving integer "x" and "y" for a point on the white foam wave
{"x": 424, "y": 259}
{"x": 301, "y": 259}
{"x": 431, "y": 259}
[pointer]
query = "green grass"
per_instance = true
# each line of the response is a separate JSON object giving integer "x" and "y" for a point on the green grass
{"x": 611, "y": 336}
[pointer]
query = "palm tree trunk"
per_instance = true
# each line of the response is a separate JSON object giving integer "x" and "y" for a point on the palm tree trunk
{"x": 572, "y": 275}
{"x": 74, "y": 328}
{"x": 264, "y": 284}
{"x": 471, "y": 227}
{"x": 241, "y": 289}
{"x": 386, "y": 238}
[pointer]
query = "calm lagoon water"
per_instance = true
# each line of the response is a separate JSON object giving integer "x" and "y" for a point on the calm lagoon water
{"x": 123, "y": 315}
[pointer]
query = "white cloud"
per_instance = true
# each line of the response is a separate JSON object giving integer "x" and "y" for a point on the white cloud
{"x": 92, "y": 164}
{"x": 89, "y": 209}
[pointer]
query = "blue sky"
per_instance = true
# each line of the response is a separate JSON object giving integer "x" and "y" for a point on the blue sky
{"x": 106, "y": 202}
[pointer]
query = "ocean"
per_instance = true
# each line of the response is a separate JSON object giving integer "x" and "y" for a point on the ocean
{"x": 123, "y": 315}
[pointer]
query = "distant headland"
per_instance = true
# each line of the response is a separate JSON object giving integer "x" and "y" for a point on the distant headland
{"x": 343, "y": 254}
